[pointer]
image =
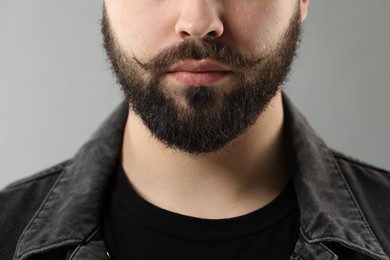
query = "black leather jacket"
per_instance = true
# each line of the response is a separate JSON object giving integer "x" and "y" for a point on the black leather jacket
{"x": 55, "y": 214}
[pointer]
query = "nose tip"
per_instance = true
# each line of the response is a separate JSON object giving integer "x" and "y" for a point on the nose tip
{"x": 196, "y": 30}
{"x": 199, "y": 20}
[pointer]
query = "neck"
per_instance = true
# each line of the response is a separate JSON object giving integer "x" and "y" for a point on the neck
{"x": 234, "y": 181}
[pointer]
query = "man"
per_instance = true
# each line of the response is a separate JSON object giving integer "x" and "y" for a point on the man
{"x": 206, "y": 158}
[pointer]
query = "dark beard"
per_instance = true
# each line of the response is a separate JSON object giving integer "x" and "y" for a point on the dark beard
{"x": 210, "y": 119}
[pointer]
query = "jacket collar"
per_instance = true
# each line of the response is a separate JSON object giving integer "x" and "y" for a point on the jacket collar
{"x": 329, "y": 210}
{"x": 78, "y": 194}
{"x": 70, "y": 214}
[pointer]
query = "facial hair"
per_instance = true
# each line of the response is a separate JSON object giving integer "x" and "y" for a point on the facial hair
{"x": 202, "y": 119}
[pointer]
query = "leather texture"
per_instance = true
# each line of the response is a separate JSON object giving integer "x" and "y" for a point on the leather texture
{"x": 344, "y": 203}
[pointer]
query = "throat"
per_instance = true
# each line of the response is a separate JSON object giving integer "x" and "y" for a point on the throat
{"x": 244, "y": 177}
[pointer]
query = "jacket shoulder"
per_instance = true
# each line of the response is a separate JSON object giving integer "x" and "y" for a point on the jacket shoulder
{"x": 39, "y": 176}
{"x": 18, "y": 203}
{"x": 368, "y": 178}
{"x": 370, "y": 186}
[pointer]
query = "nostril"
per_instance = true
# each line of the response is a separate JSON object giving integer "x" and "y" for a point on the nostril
{"x": 192, "y": 32}
{"x": 213, "y": 34}
{"x": 184, "y": 34}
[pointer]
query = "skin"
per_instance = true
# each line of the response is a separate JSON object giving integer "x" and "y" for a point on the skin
{"x": 245, "y": 175}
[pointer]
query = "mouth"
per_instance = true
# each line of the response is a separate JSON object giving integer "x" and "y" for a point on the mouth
{"x": 195, "y": 73}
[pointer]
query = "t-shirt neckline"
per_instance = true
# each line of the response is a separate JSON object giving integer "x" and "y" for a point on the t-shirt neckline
{"x": 188, "y": 227}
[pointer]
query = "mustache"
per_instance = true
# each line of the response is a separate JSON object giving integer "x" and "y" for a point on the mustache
{"x": 197, "y": 49}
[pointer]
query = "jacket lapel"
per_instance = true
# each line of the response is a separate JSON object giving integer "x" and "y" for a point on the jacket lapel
{"x": 329, "y": 211}
{"x": 70, "y": 214}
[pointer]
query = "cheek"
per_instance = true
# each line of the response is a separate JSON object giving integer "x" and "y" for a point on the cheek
{"x": 257, "y": 28}
{"x": 250, "y": 32}
{"x": 140, "y": 30}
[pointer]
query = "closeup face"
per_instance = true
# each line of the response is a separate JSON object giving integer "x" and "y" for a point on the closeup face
{"x": 199, "y": 73}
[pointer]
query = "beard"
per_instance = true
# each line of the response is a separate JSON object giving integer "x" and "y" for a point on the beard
{"x": 202, "y": 119}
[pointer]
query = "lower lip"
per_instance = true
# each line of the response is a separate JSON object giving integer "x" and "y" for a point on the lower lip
{"x": 202, "y": 78}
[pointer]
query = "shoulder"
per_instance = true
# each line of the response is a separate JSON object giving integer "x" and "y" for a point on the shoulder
{"x": 358, "y": 173}
{"x": 18, "y": 203}
{"x": 41, "y": 176}
{"x": 33, "y": 186}
{"x": 370, "y": 186}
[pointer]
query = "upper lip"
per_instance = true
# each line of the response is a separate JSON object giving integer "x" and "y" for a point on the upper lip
{"x": 204, "y": 65}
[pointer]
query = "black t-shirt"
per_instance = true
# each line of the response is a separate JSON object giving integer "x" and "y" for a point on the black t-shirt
{"x": 136, "y": 229}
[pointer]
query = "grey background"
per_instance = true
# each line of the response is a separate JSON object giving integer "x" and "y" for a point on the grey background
{"x": 56, "y": 86}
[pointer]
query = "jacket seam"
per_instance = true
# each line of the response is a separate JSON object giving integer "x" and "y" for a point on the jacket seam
{"x": 42, "y": 249}
{"x": 360, "y": 249}
{"x": 319, "y": 242}
{"x": 93, "y": 234}
{"x": 346, "y": 244}
{"x": 75, "y": 252}
{"x": 329, "y": 250}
